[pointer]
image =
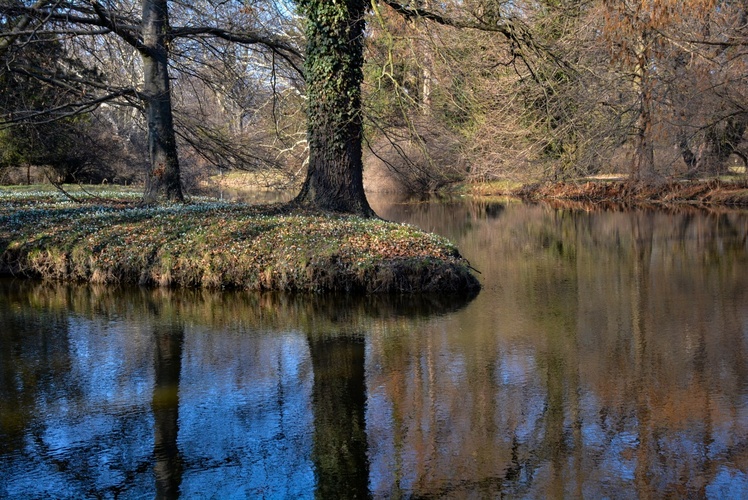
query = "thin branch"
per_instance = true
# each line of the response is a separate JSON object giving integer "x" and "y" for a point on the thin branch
{"x": 124, "y": 32}
{"x": 20, "y": 26}
{"x": 284, "y": 50}
{"x": 512, "y": 29}
{"x": 64, "y": 111}
{"x": 103, "y": 31}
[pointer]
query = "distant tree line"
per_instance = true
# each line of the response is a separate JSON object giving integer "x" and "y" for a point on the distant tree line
{"x": 651, "y": 89}
{"x": 163, "y": 93}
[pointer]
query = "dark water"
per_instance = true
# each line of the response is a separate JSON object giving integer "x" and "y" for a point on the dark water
{"x": 607, "y": 356}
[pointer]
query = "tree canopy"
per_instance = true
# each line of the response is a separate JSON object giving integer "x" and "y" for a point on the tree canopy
{"x": 422, "y": 92}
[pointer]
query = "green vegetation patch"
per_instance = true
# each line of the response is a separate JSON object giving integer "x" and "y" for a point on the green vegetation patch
{"x": 222, "y": 245}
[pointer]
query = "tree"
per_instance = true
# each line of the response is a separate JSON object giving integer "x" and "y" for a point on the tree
{"x": 333, "y": 70}
{"x": 632, "y": 26}
{"x": 686, "y": 81}
{"x": 411, "y": 127}
{"x": 163, "y": 175}
{"x": 153, "y": 37}
{"x": 60, "y": 144}
{"x": 710, "y": 101}
{"x": 525, "y": 112}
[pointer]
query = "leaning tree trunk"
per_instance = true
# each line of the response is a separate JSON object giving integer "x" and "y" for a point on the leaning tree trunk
{"x": 333, "y": 70}
{"x": 162, "y": 178}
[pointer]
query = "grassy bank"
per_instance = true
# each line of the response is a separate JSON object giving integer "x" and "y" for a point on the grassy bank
{"x": 219, "y": 245}
{"x": 703, "y": 192}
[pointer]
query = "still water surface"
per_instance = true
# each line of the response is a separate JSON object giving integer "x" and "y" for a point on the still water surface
{"x": 607, "y": 356}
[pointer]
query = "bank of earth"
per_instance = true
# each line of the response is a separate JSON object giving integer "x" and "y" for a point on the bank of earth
{"x": 222, "y": 245}
{"x": 709, "y": 193}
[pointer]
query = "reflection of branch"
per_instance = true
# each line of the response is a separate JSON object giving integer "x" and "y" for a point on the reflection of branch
{"x": 81, "y": 477}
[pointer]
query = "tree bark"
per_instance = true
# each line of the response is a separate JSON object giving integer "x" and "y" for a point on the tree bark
{"x": 333, "y": 70}
{"x": 642, "y": 168}
{"x": 162, "y": 177}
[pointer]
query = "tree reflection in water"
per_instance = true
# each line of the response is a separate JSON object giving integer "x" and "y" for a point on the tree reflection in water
{"x": 607, "y": 355}
{"x": 167, "y": 362}
{"x": 339, "y": 407}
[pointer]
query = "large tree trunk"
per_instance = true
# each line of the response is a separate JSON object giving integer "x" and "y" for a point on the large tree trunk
{"x": 333, "y": 67}
{"x": 162, "y": 177}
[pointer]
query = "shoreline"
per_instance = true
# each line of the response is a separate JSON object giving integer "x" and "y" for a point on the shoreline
{"x": 109, "y": 239}
{"x": 225, "y": 246}
{"x": 703, "y": 193}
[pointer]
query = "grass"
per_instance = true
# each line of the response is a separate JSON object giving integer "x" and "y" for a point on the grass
{"x": 707, "y": 193}
{"x": 730, "y": 191}
{"x": 218, "y": 245}
{"x": 491, "y": 188}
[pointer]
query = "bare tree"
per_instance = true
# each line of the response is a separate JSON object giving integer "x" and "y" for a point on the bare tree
{"x": 709, "y": 78}
{"x": 151, "y": 34}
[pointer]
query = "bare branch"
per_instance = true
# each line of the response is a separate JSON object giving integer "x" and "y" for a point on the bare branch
{"x": 127, "y": 33}
{"x": 20, "y": 26}
{"x": 512, "y": 29}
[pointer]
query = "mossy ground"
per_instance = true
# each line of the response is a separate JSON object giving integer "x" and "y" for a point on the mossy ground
{"x": 219, "y": 245}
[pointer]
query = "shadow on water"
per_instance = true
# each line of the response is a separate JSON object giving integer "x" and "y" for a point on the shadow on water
{"x": 34, "y": 345}
{"x": 339, "y": 406}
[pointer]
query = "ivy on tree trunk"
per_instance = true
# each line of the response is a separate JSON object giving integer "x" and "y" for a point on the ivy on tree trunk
{"x": 333, "y": 70}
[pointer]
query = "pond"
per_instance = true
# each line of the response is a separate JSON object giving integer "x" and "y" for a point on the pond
{"x": 606, "y": 356}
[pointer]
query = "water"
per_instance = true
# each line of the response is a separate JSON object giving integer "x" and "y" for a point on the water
{"x": 607, "y": 356}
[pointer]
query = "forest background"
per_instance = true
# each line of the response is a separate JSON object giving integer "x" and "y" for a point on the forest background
{"x": 453, "y": 91}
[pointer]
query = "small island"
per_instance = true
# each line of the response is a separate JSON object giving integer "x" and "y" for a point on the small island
{"x": 221, "y": 245}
